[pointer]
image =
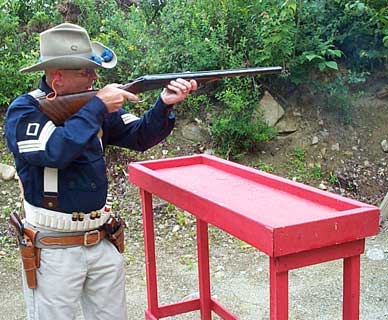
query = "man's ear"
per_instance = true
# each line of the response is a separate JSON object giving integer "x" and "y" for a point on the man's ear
{"x": 56, "y": 76}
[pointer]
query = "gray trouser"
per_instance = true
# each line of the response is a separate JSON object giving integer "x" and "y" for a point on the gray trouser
{"x": 92, "y": 275}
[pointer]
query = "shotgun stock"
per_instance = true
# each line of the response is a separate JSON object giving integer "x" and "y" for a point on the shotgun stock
{"x": 63, "y": 107}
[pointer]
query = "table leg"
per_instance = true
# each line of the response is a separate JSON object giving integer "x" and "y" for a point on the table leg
{"x": 351, "y": 288}
{"x": 278, "y": 292}
{"x": 204, "y": 269}
{"x": 149, "y": 249}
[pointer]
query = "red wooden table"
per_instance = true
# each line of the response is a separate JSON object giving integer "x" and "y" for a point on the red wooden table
{"x": 294, "y": 224}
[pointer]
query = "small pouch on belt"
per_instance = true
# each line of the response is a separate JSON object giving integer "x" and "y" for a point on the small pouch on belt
{"x": 114, "y": 227}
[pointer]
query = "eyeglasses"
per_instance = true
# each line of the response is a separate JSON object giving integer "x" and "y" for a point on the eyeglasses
{"x": 87, "y": 73}
{"x": 84, "y": 73}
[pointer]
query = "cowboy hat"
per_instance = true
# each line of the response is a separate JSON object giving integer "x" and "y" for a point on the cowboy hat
{"x": 68, "y": 46}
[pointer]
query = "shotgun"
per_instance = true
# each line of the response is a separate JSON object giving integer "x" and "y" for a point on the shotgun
{"x": 63, "y": 107}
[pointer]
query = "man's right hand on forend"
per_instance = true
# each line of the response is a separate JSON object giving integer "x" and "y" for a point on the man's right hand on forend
{"x": 113, "y": 97}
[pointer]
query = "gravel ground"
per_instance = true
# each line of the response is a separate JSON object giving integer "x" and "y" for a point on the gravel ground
{"x": 239, "y": 278}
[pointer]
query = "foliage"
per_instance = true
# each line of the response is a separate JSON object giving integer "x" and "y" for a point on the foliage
{"x": 333, "y": 179}
{"x": 354, "y": 77}
{"x": 236, "y": 130}
{"x": 266, "y": 167}
{"x": 299, "y": 170}
{"x": 313, "y": 39}
{"x": 351, "y": 30}
{"x": 197, "y": 106}
{"x": 19, "y": 22}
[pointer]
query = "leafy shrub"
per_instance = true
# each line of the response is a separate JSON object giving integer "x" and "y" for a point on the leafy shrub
{"x": 351, "y": 30}
{"x": 18, "y": 23}
{"x": 235, "y": 131}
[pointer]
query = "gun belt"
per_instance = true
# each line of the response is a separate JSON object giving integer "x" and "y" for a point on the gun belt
{"x": 65, "y": 222}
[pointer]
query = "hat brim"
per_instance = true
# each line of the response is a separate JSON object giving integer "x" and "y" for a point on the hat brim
{"x": 74, "y": 62}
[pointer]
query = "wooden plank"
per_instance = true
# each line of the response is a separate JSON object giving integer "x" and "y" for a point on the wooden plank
{"x": 224, "y": 313}
{"x": 149, "y": 249}
{"x": 310, "y": 257}
{"x": 359, "y": 223}
{"x": 351, "y": 288}
{"x": 204, "y": 269}
{"x": 278, "y": 293}
{"x": 178, "y": 308}
{"x": 171, "y": 162}
{"x": 149, "y": 315}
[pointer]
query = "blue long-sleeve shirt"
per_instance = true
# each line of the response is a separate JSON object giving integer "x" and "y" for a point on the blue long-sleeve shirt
{"x": 75, "y": 148}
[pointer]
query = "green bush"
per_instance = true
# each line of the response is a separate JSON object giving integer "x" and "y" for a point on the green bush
{"x": 19, "y": 22}
{"x": 352, "y": 32}
{"x": 236, "y": 131}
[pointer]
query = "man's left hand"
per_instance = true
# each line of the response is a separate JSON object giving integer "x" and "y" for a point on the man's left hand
{"x": 177, "y": 90}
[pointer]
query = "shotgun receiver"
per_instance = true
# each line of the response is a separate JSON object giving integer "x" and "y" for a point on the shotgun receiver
{"x": 63, "y": 107}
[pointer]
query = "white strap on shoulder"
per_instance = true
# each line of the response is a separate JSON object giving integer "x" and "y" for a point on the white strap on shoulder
{"x": 37, "y": 94}
{"x": 128, "y": 118}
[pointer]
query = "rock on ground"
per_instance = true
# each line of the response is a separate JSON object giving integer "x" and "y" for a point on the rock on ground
{"x": 7, "y": 172}
{"x": 271, "y": 110}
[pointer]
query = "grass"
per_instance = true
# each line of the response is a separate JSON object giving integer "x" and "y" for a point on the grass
{"x": 5, "y": 155}
{"x": 266, "y": 167}
{"x": 299, "y": 170}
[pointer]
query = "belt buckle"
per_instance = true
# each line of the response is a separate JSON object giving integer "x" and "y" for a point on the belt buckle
{"x": 89, "y": 233}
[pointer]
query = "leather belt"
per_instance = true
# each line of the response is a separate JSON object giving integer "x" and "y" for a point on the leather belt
{"x": 87, "y": 239}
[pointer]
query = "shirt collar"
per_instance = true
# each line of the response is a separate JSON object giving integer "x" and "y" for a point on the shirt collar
{"x": 44, "y": 86}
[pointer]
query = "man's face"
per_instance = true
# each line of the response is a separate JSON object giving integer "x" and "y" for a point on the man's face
{"x": 76, "y": 80}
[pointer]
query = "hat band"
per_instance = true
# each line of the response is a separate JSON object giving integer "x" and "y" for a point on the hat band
{"x": 106, "y": 56}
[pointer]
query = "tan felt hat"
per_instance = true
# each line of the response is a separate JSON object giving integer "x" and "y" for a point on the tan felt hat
{"x": 68, "y": 46}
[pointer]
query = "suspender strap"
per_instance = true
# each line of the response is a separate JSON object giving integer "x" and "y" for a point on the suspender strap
{"x": 50, "y": 188}
{"x": 50, "y": 182}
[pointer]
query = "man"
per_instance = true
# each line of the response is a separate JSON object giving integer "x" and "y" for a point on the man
{"x": 63, "y": 176}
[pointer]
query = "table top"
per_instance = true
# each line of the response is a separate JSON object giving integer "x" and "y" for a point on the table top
{"x": 276, "y": 215}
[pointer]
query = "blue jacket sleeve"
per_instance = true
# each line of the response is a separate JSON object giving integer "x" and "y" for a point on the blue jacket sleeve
{"x": 33, "y": 137}
{"x": 126, "y": 130}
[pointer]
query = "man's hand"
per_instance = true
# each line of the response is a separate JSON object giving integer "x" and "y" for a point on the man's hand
{"x": 113, "y": 97}
{"x": 177, "y": 90}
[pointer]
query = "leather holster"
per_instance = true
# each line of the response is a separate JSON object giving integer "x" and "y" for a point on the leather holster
{"x": 114, "y": 227}
{"x": 30, "y": 256}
